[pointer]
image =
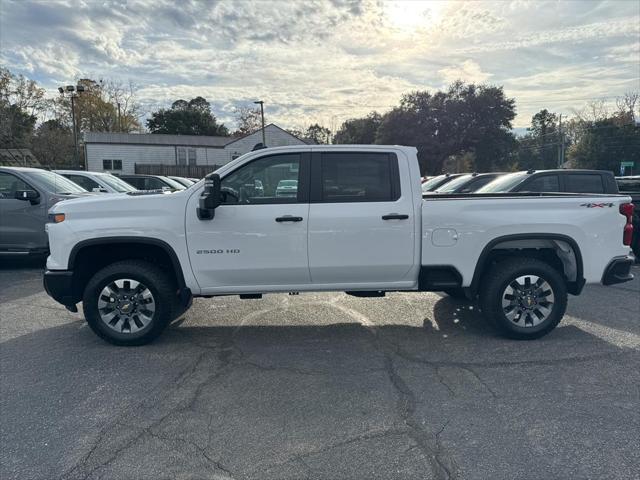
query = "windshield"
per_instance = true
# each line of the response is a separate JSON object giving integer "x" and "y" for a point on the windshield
{"x": 117, "y": 184}
{"x": 183, "y": 181}
{"x": 54, "y": 183}
{"x": 433, "y": 183}
{"x": 172, "y": 183}
{"x": 453, "y": 185}
{"x": 503, "y": 184}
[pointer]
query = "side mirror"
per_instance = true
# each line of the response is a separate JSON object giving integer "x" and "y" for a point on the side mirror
{"x": 210, "y": 197}
{"x": 28, "y": 195}
{"x": 99, "y": 190}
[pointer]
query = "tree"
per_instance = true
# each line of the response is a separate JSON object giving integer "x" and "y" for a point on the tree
{"x": 605, "y": 143}
{"x": 465, "y": 118}
{"x": 53, "y": 143}
{"x": 104, "y": 106}
{"x": 20, "y": 100}
{"x": 186, "y": 118}
{"x": 359, "y": 130}
{"x": 539, "y": 148}
{"x": 249, "y": 120}
{"x": 318, "y": 133}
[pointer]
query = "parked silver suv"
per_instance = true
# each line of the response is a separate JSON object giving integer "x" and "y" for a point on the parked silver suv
{"x": 26, "y": 194}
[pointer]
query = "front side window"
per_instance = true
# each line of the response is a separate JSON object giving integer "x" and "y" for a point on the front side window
{"x": 544, "y": 183}
{"x": 357, "y": 177}
{"x": 83, "y": 181}
{"x": 10, "y": 184}
{"x": 272, "y": 179}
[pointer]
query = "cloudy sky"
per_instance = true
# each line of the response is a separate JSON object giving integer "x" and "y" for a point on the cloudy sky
{"x": 316, "y": 60}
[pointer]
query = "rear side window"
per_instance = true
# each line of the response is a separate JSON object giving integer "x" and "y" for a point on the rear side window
{"x": 583, "y": 183}
{"x": 544, "y": 183}
{"x": 359, "y": 177}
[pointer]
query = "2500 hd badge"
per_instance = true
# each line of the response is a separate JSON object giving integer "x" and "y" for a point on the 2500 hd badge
{"x": 221, "y": 250}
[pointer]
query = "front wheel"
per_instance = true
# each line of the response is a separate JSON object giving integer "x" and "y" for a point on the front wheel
{"x": 524, "y": 298}
{"x": 129, "y": 302}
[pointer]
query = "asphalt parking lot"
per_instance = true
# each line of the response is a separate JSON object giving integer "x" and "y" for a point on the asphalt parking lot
{"x": 320, "y": 386}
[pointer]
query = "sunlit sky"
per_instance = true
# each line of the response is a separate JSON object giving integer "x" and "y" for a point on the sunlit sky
{"x": 326, "y": 61}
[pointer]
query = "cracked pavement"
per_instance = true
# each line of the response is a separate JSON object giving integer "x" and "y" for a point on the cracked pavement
{"x": 319, "y": 386}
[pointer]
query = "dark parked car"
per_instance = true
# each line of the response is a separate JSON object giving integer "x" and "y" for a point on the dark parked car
{"x": 631, "y": 186}
{"x": 468, "y": 183}
{"x": 435, "y": 182}
{"x": 26, "y": 194}
{"x": 152, "y": 182}
{"x": 571, "y": 181}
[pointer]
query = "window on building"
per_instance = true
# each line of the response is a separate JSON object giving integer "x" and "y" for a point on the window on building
{"x": 192, "y": 156}
{"x": 117, "y": 164}
{"x": 182, "y": 156}
{"x": 357, "y": 177}
{"x": 107, "y": 165}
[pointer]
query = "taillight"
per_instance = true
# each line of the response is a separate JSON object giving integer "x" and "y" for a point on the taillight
{"x": 626, "y": 209}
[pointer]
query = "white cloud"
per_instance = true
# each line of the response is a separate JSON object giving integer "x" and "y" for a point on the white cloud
{"x": 469, "y": 71}
{"x": 328, "y": 60}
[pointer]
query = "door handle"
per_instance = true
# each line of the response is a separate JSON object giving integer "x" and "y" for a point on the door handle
{"x": 288, "y": 218}
{"x": 395, "y": 216}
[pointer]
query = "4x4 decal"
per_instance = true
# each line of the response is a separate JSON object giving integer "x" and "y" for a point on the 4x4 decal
{"x": 596, "y": 205}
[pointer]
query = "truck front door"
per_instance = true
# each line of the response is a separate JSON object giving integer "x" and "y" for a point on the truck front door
{"x": 258, "y": 236}
{"x": 361, "y": 220}
{"x": 21, "y": 221}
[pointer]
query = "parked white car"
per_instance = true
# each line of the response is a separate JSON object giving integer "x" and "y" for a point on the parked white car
{"x": 358, "y": 223}
{"x": 99, "y": 182}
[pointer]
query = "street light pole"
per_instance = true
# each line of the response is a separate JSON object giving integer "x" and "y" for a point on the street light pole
{"x": 76, "y": 161}
{"x": 264, "y": 142}
{"x": 71, "y": 91}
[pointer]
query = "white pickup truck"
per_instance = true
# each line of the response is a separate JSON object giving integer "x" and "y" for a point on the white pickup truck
{"x": 354, "y": 220}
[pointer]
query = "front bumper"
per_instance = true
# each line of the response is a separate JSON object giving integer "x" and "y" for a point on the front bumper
{"x": 59, "y": 285}
{"x": 618, "y": 270}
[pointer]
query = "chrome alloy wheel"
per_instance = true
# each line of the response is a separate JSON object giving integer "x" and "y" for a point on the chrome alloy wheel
{"x": 126, "y": 305}
{"x": 527, "y": 301}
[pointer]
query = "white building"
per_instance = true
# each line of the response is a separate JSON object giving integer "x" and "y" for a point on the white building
{"x": 120, "y": 152}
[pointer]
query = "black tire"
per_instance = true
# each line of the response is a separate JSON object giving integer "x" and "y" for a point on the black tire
{"x": 505, "y": 274}
{"x": 456, "y": 292}
{"x": 163, "y": 293}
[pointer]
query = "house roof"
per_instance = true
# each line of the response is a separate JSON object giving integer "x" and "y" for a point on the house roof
{"x": 18, "y": 157}
{"x": 156, "y": 139}
{"x": 162, "y": 139}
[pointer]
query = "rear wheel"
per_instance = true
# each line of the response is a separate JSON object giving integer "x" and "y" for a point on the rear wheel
{"x": 129, "y": 302}
{"x": 524, "y": 298}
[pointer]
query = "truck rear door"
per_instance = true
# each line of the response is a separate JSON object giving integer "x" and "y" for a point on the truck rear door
{"x": 361, "y": 218}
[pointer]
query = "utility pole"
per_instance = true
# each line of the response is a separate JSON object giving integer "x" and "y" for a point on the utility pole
{"x": 119, "y": 119}
{"x": 560, "y": 144}
{"x": 264, "y": 141}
